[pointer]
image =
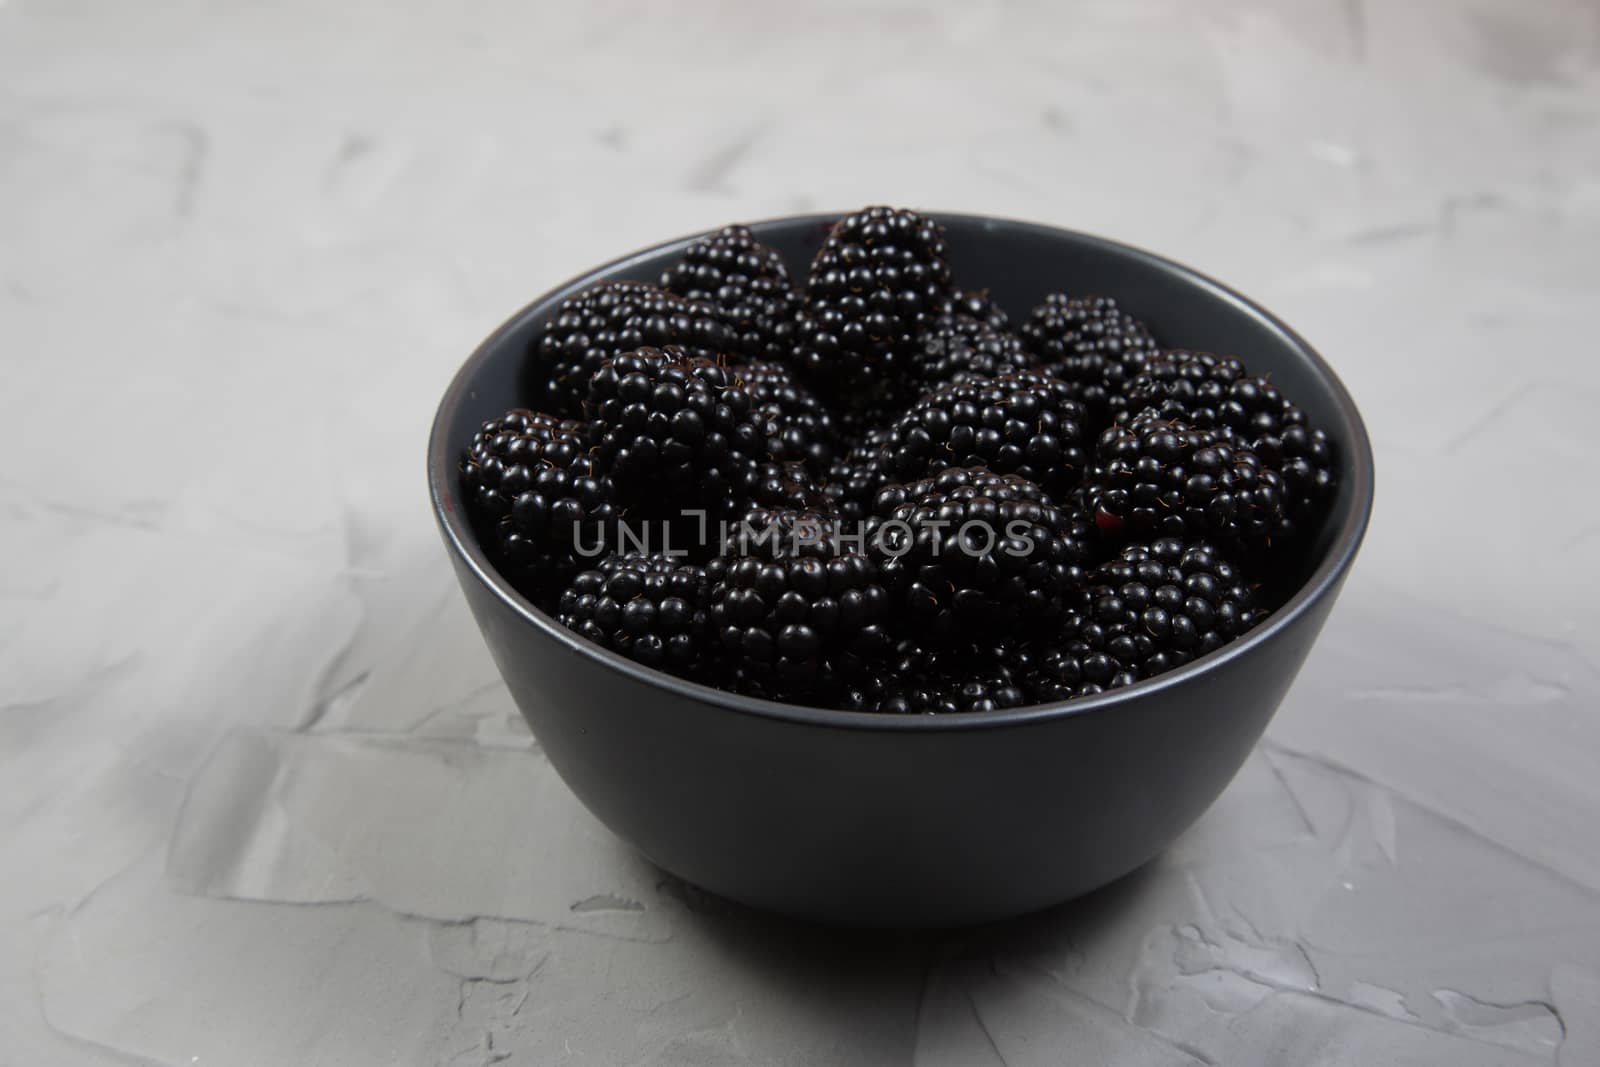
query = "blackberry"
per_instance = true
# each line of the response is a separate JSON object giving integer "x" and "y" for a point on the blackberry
{"x": 1213, "y": 392}
{"x": 877, "y": 282}
{"x": 854, "y": 479}
{"x": 882, "y": 678}
{"x": 796, "y": 612}
{"x": 914, "y": 678}
{"x": 745, "y": 280}
{"x": 1192, "y": 386}
{"x": 960, "y": 688}
{"x": 607, "y": 320}
{"x": 538, "y": 568}
{"x": 990, "y": 688}
{"x": 672, "y": 427}
{"x": 957, "y": 346}
{"x": 778, "y": 485}
{"x": 798, "y": 425}
{"x": 1072, "y": 667}
{"x": 780, "y": 531}
{"x": 648, "y": 607}
{"x": 1090, "y": 343}
{"x": 971, "y": 553}
{"x": 1304, "y": 454}
{"x": 1084, "y": 523}
{"x": 1162, "y": 603}
{"x": 1161, "y": 477}
{"x": 1004, "y": 486}
{"x": 531, "y": 476}
{"x": 507, "y": 451}
{"x": 975, "y": 306}
{"x": 1022, "y": 423}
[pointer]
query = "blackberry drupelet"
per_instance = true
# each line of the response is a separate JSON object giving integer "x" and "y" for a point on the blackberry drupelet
{"x": 796, "y": 612}
{"x": 675, "y": 431}
{"x": 1161, "y": 603}
{"x": 1090, "y": 343}
{"x": 970, "y": 554}
{"x": 607, "y": 320}
{"x": 1022, "y": 423}
{"x": 798, "y": 425}
{"x": 877, "y": 282}
{"x": 746, "y": 281}
{"x": 531, "y": 476}
{"x": 1161, "y": 477}
{"x": 648, "y": 607}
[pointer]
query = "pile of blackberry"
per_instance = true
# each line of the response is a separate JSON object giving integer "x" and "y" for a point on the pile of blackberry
{"x": 866, "y": 488}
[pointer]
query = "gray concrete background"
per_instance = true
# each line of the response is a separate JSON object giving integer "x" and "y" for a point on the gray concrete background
{"x": 264, "y": 800}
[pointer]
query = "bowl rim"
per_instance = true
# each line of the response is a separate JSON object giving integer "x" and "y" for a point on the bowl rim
{"x": 450, "y": 513}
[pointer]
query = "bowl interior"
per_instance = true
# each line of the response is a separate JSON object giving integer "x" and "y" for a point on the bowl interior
{"x": 1019, "y": 263}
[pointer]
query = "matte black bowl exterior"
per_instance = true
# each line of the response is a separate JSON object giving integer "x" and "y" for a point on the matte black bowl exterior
{"x": 911, "y": 821}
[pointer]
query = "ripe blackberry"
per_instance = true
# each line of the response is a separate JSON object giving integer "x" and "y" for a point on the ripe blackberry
{"x": 507, "y": 451}
{"x": 796, "y": 612}
{"x": 798, "y": 425}
{"x": 959, "y": 688}
{"x": 905, "y": 662}
{"x": 967, "y": 480}
{"x": 607, "y": 320}
{"x": 778, "y": 485}
{"x": 1304, "y": 454}
{"x": 538, "y": 568}
{"x": 672, "y": 427}
{"x": 745, "y": 280}
{"x": 779, "y": 531}
{"x": 1090, "y": 343}
{"x": 1022, "y": 423}
{"x": 1213, "y": 392}
{"x": 971, "y": 553}
{"x": 648, "y": 607}
{"x": 531, "y": 477}
{"x": 1161, "y": 603}
{"x": 879, "y": 279}
{"x": 956, "y": 346}
{"x": 975, "y": 306}
{"x": 1072, "y": 667}
{"x": 1084, "y": 523}
{"x": 1161, "y": 477}
{"x": 1192, "y": 386}
{"x": 854, "y": 479}
{"x": 915, "y": 678}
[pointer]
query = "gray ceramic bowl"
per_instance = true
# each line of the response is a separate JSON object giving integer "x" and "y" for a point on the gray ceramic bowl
{"x": 911, "y": 821}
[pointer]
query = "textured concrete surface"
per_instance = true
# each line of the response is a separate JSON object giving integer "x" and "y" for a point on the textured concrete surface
{"x": 264, "y": 800}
